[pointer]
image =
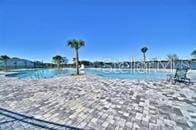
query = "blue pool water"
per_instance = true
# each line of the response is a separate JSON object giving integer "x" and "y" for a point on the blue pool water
{"x": 40, "y": 73}
{"x": 108, "y": 73}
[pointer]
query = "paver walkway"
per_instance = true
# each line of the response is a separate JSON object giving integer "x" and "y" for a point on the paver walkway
{"x": 91, "y": 102}
{"x": 10, "y": 121}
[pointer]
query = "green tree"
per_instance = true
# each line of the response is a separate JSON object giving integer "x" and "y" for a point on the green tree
{"x": 5, "y": 58}
{"x": 144, "y": 50}
{"x": 86, "y": 63}
{"x": 76, "y": 44}
{"x": 64, "y": 60}
{"x": 173, "y": 58}
{"x": 193, "y": 54}
{"x": 58, "y": 60}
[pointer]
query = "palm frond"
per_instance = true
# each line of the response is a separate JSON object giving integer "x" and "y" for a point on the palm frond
{"x": 74, "y": 43}
{"x": 144, "y": 49}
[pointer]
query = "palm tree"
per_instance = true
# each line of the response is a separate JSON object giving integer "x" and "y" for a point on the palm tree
{"x": 173, "y": 58}
{"x": 58, "y": 60}
{"x": 193, "y": 54}
{"x": 4, "y": 58}
{"x": 76, "y": 44}
{"x": 144, "y": 50}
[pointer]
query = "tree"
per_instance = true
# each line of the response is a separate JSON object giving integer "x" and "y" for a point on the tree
{"x": 58, "y": 60}
{"x": 4, "y": 58}
{"x": 98, "y": 64}
{"x": 76, "y": 44}
{"x": 173, "y": 58}
{"x": 64, "y": 60}
{"x": 155, "y": 62}
{"x": 193, "y": 54}
{"x": 85, "y": 62}
{"x": 144, "y": 50}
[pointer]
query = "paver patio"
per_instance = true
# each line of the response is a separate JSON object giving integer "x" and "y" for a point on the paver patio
{"x": 91, "y": 102}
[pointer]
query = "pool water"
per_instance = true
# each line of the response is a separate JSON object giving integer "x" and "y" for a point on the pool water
{"x": 108, "y": 73}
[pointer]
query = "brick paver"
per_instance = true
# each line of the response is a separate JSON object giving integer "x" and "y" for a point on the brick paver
{"x": 92, "y": 102}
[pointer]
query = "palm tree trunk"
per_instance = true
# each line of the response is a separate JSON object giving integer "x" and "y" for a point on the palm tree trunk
{"x": 58, "y": 65}
{"x": 144, "y": 57}
{"x": 77, "y": 62}
{"x": 172, "y": 64}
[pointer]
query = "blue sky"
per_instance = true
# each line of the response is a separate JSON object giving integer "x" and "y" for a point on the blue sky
{"x": 112, "y": 29}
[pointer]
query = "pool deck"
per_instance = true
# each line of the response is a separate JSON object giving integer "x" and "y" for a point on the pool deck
{"x": 92, "y": 102}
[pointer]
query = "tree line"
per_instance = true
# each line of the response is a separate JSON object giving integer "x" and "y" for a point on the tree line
{"x": 76, "y": 44}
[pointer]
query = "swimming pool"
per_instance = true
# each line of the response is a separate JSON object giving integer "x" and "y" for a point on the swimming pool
{"x": 108, "y": 73}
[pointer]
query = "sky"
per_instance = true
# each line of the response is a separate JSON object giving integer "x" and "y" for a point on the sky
{"x": 112, "y": 29}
